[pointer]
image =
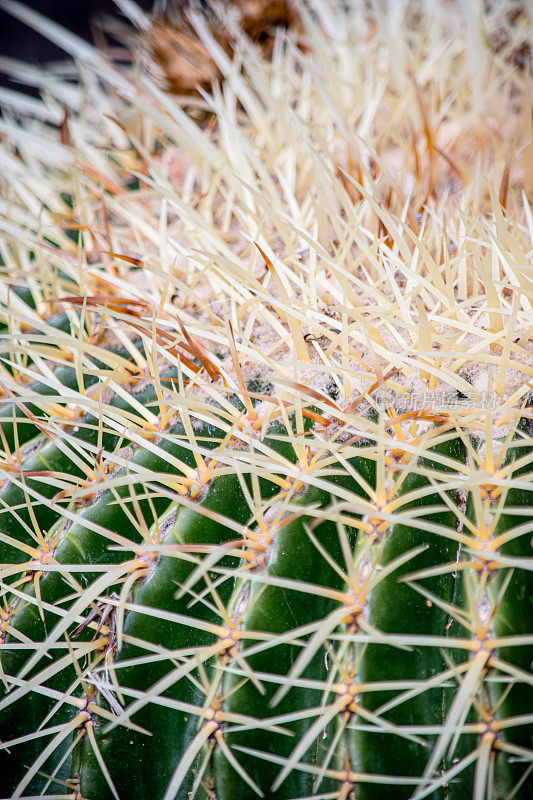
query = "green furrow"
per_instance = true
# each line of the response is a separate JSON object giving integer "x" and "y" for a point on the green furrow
{"x": 172, "y": 728}
{"x": 276, "y": 609}
{"x": 505, "y": 595}
{"x": 23, "y": 293}
{"x": 81, "y": 544}
{"x": 395, "y": 607}
{"x": 49, "y": 457}
{"x": 17, "y": 427}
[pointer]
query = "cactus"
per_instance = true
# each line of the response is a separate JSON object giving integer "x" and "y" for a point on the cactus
{"x": 266, "y": 429}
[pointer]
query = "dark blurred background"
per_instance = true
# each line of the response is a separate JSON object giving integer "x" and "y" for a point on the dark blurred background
{"x": 19, "y": 41}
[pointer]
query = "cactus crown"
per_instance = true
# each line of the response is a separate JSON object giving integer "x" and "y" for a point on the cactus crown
{"x": 265, "y": 435}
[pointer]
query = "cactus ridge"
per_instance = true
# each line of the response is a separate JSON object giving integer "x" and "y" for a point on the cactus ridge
{"x": 266, "y": 467}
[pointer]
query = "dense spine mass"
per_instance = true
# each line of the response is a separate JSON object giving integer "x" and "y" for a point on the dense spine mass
{"x": 266, "y": 465}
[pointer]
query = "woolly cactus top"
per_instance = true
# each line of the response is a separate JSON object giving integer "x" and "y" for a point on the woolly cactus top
{"x": 348, "y": 217}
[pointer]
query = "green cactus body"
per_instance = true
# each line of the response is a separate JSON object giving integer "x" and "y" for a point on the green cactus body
{"x": 197, "y": 636}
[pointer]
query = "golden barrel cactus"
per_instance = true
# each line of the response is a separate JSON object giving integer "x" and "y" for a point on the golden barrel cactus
{"x": 266, "y": 432}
